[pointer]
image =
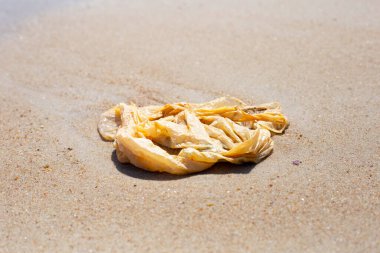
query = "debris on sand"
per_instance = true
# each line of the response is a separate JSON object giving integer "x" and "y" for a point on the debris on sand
{"x": 296, "y": 162}
{"x": 47, "y": 168}
{"x": 184, "y": 138}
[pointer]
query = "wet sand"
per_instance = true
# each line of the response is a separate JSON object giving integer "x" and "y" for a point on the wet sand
{"x": 61, "y": 66}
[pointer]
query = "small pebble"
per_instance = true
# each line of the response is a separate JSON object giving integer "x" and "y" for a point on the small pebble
{"x": 47, "y": 168}
{"x": 296, "y": 162}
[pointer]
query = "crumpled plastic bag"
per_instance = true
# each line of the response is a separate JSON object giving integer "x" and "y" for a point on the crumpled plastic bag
{"x": 184, "y": 138}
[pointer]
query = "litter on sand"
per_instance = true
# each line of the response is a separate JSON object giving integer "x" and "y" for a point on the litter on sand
{"x": 183, "y": 138}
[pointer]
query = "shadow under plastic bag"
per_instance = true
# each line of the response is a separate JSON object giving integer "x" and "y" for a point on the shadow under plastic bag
{"x": 219, "y": 168}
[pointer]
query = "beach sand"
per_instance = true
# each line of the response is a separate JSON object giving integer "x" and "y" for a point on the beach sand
{"x": 63, "y": 64}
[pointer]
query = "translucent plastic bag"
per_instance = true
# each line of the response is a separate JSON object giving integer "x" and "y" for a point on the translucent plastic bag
{"x": 184, "y": 138}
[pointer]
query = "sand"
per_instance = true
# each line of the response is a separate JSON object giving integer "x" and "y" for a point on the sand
{"x": 64, "y": 63}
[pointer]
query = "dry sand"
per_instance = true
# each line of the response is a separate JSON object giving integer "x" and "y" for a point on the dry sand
{"x": 62, "y": 64}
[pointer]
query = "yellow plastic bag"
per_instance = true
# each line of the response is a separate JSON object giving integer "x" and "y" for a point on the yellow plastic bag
{"x": 184, "y": 138}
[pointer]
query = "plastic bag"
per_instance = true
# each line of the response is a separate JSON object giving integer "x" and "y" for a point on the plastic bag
{"x": 184, "y": 138}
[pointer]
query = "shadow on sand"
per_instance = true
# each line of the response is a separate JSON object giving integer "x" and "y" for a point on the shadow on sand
{"x": 220, "y": 168}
